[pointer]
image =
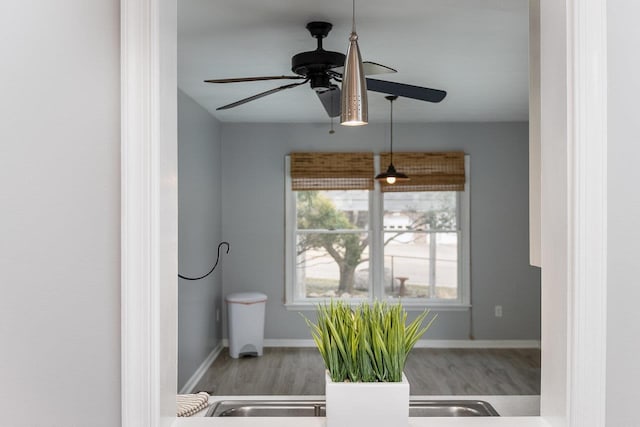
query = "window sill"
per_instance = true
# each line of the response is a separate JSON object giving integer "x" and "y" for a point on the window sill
{"x": 408, "y": 306}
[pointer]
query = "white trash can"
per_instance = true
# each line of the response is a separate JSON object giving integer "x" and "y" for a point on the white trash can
{"x": 246, "y": 323}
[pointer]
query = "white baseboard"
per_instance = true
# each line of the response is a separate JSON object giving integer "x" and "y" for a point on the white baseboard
{"x": 199, "y": 373}
{"x": 268, "y": 342}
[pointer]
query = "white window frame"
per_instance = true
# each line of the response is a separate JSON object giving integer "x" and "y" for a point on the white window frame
{"x": 376, "y": 251}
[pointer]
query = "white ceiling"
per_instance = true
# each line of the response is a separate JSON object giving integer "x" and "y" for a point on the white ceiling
{"x": 476, "y": 50}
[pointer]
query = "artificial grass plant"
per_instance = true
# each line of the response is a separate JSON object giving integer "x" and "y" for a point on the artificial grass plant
{"x": 366, "y": 343}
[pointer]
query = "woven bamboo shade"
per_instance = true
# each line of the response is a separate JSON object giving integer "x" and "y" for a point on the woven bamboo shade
{"x": 332, "y": 171}
{"x": 426, "y": 171}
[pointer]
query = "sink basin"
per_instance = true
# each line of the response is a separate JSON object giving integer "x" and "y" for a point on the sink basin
{"x": 451, "y": 408}
{"x": 316, "y": 408}
{"x": 267, "y": 408}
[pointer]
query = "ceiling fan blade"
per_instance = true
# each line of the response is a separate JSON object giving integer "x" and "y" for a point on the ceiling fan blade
{"x": 330, "y": 99}
{"x": 405, "y": 90}
{"x": 254, "y": 79}
{"x": 370, "y": 68}
{"x": 260, "y": 95}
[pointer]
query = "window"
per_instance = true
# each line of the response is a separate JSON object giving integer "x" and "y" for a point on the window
{"x": 332, "y": 244}
{"x": 365, "y": 244}
{"x": 420, "y": 245}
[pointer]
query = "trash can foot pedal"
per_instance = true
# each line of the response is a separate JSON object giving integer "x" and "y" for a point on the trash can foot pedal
{"x": 249, "y": 354}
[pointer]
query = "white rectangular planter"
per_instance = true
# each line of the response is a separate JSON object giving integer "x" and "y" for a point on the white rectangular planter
{"x": 367, "y": 404}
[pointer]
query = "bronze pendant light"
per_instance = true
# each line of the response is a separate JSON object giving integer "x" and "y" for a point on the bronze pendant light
{"x": 391, "y": 176}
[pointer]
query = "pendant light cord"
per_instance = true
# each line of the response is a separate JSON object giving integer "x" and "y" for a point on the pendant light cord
{"x": 214, "y": 266}
{"x": 391, "y": 129}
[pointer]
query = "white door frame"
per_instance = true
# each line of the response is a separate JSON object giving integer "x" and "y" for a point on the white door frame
{"x": 149, "y": 212}
{"x": 587, "y": 212}
{"x": 573, "y": 97}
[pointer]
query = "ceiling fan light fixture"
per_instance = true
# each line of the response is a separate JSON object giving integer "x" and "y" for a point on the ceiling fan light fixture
{"x": 353, "y": 101}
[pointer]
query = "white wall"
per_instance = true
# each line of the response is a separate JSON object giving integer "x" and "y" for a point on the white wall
{"x": 60, "y": 217}
{"x": 199, "y": 192}
{"x": 253, "y": 217}
{"x": 623, "y": 330}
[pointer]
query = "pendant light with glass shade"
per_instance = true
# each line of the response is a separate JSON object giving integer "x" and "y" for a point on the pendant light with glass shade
{"x": 391, "y": 176}
{"x": 353, "y": 101}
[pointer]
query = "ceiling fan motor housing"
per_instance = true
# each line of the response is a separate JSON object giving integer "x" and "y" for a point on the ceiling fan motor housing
{"x": 315, "y": 64}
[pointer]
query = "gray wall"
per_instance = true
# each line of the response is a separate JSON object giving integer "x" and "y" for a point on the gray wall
{"x": 60, "y": 227}
{"x": 623, "y": 294}
{"x": 199, "y": 222}
{"x": 253, "y": 217}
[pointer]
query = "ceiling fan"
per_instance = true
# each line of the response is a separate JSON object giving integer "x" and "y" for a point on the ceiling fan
{"x": 322, "y": 69}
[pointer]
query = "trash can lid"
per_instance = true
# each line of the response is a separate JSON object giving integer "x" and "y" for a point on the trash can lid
{"x": 246, "y": 297}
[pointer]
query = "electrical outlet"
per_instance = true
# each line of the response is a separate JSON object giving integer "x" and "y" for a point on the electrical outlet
{"x": 498, "y": 310}
{"x": 217, "y": 314}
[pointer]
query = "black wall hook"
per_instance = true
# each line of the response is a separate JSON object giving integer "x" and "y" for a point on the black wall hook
{"x": 214, "y": 266}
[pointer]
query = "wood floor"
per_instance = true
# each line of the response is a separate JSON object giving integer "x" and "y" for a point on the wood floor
{"x": 300, "y": 371}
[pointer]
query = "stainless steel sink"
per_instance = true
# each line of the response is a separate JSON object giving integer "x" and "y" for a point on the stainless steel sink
{"x": 451, "y": 408}
{"x": 267, "y": 408}
{"x": 316, "y": 408}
